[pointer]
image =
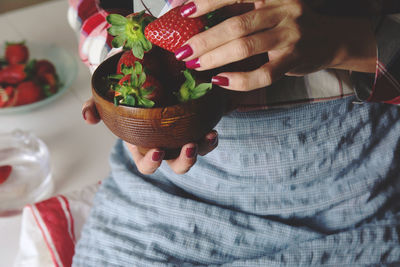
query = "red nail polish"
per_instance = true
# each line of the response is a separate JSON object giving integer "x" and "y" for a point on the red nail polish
{"x": 191, "y": 152}
{"x": 213, "y": 141}
{"x": 157, "y": 155}
{"x": 183, "y": 52}
{"x": 84, "y": 113}
{"x": 188, "y": 9}
{"x": 220, "y": 80}
{"x": 193, "y": 64}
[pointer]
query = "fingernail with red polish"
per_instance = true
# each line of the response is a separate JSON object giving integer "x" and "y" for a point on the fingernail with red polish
{"x": 157, "y": 155}
{"x": 220, "y": 80}
{"x": 84, "y": 110}
{"x": 183, "y": 52}
{"x": 191, "y": 152}
{"x": 193, "y": 64}
{"x": 188, "y": 9}
{"x": 213, "y": 141}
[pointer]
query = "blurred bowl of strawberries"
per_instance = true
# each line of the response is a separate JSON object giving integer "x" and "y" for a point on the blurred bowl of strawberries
{"x": 33, "y": 75}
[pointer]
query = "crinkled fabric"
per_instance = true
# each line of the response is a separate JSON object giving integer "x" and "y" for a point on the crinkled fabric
{"x": 314, "y": 185}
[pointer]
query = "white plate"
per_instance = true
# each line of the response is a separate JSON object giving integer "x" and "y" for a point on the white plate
{"x": 66, "y": 68}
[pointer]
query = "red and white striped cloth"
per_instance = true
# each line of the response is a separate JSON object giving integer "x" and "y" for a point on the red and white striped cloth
{"x": 50, "y": 229}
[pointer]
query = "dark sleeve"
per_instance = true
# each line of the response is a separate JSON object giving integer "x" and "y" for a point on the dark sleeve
{"x": 384, "y": 85}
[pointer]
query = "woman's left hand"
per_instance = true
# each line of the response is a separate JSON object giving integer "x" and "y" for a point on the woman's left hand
{"x": 297, "y": 39}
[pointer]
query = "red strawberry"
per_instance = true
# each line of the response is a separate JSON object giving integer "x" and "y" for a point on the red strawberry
{"x": 6, "y": 95}
{"x": 171, "y": 30}
{"x": 154, "y": 89}
{"x": 28, "y": 92}
{"x": 127, "y": 60}
{"x": 5, "y": 172}
{"x": 128, "y": 32}
{"x": 13, "y": 74}
{"x": 43, "y": 66}
{"x": 16, "y": 53}
{"x": 139, "y": 89}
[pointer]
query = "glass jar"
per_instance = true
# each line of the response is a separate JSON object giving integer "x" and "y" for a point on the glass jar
{"x": 30, "y": 179}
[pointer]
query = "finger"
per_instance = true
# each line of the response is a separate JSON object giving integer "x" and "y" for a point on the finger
{"x": 261, "y": 77}
{"x": 89, "y": 112}
{"x": 208, "y": 143}
{"x": 228, "y": 30}
{"x": 197, "y": 8}
{"x": 245, "y": 47}
{"x": 186, "y": 159}
{"x": 148, "y": 163}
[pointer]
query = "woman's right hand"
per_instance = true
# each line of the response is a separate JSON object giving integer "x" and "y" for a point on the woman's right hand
{"x": 152, "y": 159}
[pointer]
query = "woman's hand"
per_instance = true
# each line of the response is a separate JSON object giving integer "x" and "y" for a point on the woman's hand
{"x": 297, "y": 39}
{"x": 151, "y": 160}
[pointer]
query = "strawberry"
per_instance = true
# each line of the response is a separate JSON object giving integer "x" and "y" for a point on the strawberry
{"x": 5, "y": 172}
{"x": 189, "y": 90}
{"x": 49, "y": 82}
{"x": 16, "y": 53}
{"x": 171, "y": 30}
{"x": 43, "y": 66}
{"x": 128, "y": 32}
{"x": 6, "y": 96}
{"x": 13, "y": 74}
{"x": 28, "y": 92}
{"x": 138, "y": 89}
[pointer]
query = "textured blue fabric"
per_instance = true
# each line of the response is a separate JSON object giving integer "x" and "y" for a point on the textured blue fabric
{"x": 312, "y": 185}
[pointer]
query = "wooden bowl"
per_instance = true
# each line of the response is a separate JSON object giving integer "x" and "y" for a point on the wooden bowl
{"x": 167, "y": 128}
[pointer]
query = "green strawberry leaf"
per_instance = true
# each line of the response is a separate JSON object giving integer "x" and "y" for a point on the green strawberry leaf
{"x": 134, "y": 80}
{"x": 138, "y": 68}
{"x": 117, "y": 100}
{"x": 116, "y": 19}
{"x": 144, "y": 102}
{"x": 146, "y": 44}
{"x": 126, "y": 70}
{"x": 116, "y": 30}
{"x": 190, "y": 82}
{"x": 137, "y": 49}
{"x": 118, "y": 41}
{"x": 147, "y": 91}
{"x": 115, "y": 76}
{"x": 130, "y": 100}
{"x": 142, "y": 78}
{"x": 189, "y": 90}
{"x": 200, "y": 90}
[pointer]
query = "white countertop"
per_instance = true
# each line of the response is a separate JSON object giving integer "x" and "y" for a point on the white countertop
{"x": 79, "y": 152}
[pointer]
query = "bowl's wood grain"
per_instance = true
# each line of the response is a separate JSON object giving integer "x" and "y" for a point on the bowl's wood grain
{"x": 167, "y": 127}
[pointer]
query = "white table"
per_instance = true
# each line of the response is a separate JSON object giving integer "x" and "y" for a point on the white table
{"x": 79, "y": 152}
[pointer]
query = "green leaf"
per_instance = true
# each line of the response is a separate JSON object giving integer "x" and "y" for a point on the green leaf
{"x": 127, "y": 70}
{"x": 137, "y": 50}
{"x": 138, "y": 68}
{"x": 190, "y": 82}
{"x": 144, "y": 102}
{"x": 118, "y": 41}
{"x": 116, "y": 19}
{"x": 115, "y": 76}
{"x": 117, "y": 100}
{"x": 146, "y": 44}
{"x": 147, "y": 91}
{"x": 134, "y": 81}
{"x": 130, "y": 100}
{"x": 184, "y": 94}
{"x": 116, "y": 30}
{"x": 200, "y": 90}
{"x": 142, "y": 78}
